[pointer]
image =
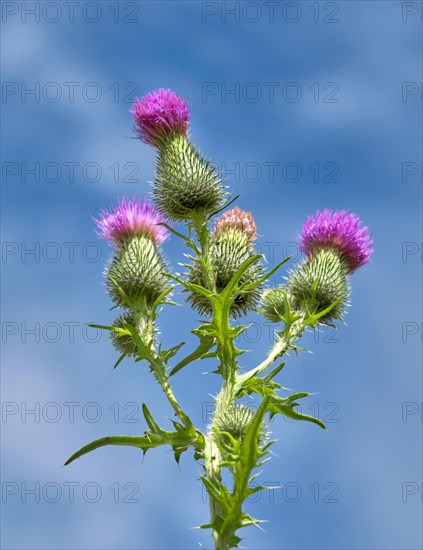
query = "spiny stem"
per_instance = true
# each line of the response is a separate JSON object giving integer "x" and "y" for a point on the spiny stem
{"x": 163, "y": 380}
{"x": 282, "y": 345}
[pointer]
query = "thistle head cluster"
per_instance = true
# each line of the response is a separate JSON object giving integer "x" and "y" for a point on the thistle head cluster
{"x": 223, "y": 279}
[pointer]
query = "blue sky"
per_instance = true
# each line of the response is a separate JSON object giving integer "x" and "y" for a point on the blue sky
{"x": 325, "y": 111}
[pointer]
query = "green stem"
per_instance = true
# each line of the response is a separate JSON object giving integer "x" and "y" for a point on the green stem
{"x": 213, "y": 459}
{"x": 282, "y": 345}
{"x": 199, "y": 222}
{"x": 159, "y": 370}
{"x": 212, "y": 462}
{"x": 162, "y": 379}
{"x": 225, "y": 401}
{"x": 228, "y": 365}
{"x": 145, "y": 329}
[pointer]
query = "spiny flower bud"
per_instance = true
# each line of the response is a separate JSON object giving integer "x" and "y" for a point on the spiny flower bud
{"x": 236, "y": 220}
{"x": 158, "y": 115}
{"x": 340, "y": 231}
{"x": 129, "y": 218}
{"x": 139, "y": 270}
{"x": 273, "y": 304}
{"x": 235, "y": 421}
{"x": 124, "y": 343}
{"x": 317, "y": 283}
{"x": 226, "y": 255}
{"x": 186, "y": 183}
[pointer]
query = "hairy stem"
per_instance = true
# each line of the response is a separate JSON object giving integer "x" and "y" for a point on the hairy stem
{"x": 162, "y": 379}
{"x": 158, "y": 367}
{"x": 282, "y": 345}
{"x": 225, "y": 399}
{"x": 213, "y": 459}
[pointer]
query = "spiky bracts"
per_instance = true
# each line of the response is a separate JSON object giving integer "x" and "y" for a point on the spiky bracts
{"x": 319, "y": 283}
{"x": 273, "y": 304}
{"x": 226, "y": 254}
{"x": 138, "y": 270}
{"x": 232, "y": 424}
{"x": 124, "y": 342}
{"x": 158, "y": 115}
{"x": 340, "y": 230}
{"x": 335, "y": 244}
{"x": 186, "y": 184}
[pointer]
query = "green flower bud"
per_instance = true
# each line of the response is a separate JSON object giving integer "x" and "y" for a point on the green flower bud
{"x": 318, "y": 283}
{"x": 235, "y": 422}
{"x": 185, "y": 181}
{"x": 139, "y": 270}
{"x": 226, "y": 254}
{"x": 124, "y": 343}
{"x": 273, "y": 304}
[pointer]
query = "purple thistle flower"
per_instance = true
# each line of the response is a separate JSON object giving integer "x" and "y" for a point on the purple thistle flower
{"x": 236, "y": 219}
{"x": 159, "y": 114}
{"x": 131, "y": 217}
{"x": 340, "y": 230}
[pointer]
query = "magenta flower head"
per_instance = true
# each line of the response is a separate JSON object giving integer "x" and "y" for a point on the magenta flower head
{"x": 160, "y": 114}
{"x": 131, "y": 217}
{"x": 236, "y": 220}
{"x": 340, "y": 230}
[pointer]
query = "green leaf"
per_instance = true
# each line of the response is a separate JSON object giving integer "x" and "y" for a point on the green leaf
{"x": 265, "y": 277}
{"x": 167, "y": 354}
{"x": 189, "y": 242}
{"x": 119, "y": 330}
{"x": 179, "y": 441}
{"x": 312, "y": 320}
{"x": 206, "y": 343}
{"x": 227, "y": 203}
{"x": 125, "y": 298}
{"x": 285, "y": 406}
{"x": 121, "y": 358}
{"x": 193, "y": 287}
{"x": 227, "y": 293}
{"x": 261, "y": 386}
{"x": 141, "y": 442}
{"x": 143, "y": 350}
{"x": 161, "y": 300}
{"x": 151, "y": 423}
{"x": 273, "y": 373}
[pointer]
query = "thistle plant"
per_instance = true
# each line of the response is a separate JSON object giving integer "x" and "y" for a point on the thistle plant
{"x": 223, "y": 278}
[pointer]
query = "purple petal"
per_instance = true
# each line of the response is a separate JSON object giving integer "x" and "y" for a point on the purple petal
{"x": 131, "y": 217}
{"x": 341, "y": 230}
{"x": 159, "y": 114}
